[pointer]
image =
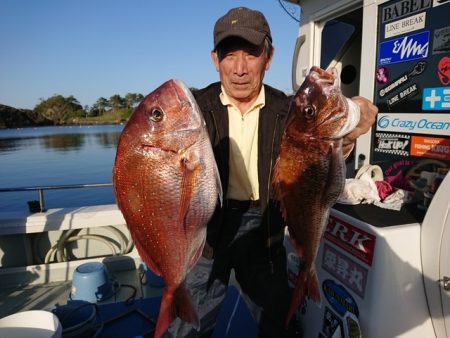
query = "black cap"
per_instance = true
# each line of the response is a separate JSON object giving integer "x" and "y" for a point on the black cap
{"x": 244, "y": 23}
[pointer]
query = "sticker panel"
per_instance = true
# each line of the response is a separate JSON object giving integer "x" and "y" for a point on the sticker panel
{"x": 403, "y": 26}
{"x": 418, "y": 69}
{"x": 441, "y": 40}
{"x": 332, "y": 324}
{"x": 444, "y": 70}
{"x": 412, "y": 81}
{"x": 404, "y": 95}
{"x": 401, "y": 9}
{"x": 349, "y": 273}
{"x": 395, "y": 144}
{"x": 355, "y": 241}
{"x": 431, "y": 147}
{"x": 339, "y": 298}
{"x": 440, "y": 2}
{"x": 436, "y": 98}
{"x": 430, "y": 124}
{"x": 407, "y": 48}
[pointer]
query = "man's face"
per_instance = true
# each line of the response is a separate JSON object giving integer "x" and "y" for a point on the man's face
{"x": 241, "y": 66}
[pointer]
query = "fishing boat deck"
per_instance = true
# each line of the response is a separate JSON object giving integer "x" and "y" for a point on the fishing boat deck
{"x": 46, "y": 296}
{"x": 26, "y": 284}
{"x": 132, "y": 309}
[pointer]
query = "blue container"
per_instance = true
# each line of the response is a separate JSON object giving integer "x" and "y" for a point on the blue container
{"x": 91, "y": 283}
{"x": 153, "y": 279}
{"x": 78, "y": 319}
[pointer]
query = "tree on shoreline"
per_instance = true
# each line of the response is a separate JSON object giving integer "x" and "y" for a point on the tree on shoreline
{"x": 133, "y": 99}
{"x": 60, "y": 109}
{"x": 100, "y": 106}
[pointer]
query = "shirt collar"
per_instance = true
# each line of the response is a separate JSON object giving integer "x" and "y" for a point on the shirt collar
{"x": 259, "y": 102}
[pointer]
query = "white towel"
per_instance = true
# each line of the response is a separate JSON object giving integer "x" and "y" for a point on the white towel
{"x": 395, "y": 200}
{"x": 359, "y": 190}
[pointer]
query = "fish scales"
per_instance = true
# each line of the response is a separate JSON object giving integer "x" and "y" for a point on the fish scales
{"x": 309, "y": 173}
{"x": 167, "y": 185}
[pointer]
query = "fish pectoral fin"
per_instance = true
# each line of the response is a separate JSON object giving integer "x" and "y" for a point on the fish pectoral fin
{"x": 191, "y": 171}
{"x": 277, "y": 191}
{"x": 219, "y": 186}
{"x": 197, "y": 254}
{"x": 146, "y": 257}
{"x": 336, "y": 175}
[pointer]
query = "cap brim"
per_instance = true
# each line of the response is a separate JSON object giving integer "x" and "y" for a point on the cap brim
{"x": 254, "y": 37}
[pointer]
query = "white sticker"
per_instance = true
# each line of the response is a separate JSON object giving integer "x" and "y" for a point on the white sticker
{"x": 403, "y": 26}
{"x": 430, "y": 124}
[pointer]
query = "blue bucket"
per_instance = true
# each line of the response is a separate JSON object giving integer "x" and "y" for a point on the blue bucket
{"x": 91, "y": 283}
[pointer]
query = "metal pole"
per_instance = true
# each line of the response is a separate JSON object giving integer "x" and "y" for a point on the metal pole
{"x": 41, "y": 200}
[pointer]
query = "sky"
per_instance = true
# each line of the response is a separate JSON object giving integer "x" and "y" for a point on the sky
{"x": 98, "y": 48}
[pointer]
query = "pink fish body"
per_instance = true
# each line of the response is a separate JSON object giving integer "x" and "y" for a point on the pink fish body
{"x": 166, "y": 185}
{"x": 309, "y": 174}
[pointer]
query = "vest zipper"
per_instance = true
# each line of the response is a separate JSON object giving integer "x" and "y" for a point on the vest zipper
{"x": 269, "y": 184}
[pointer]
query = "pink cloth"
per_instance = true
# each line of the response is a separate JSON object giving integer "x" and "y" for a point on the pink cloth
{"x": 399, "y": 181}
{"x": 384, "y": 189}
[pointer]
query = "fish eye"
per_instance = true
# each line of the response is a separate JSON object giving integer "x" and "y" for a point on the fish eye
{"x": 156, "y": 115}
{"x": 309, "y": 112}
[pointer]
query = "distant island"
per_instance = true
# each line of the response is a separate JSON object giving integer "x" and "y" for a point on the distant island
{"x": 62, "y": 110}
{"x": 11, "y": 117}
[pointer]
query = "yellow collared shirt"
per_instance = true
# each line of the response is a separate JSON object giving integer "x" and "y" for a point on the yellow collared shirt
{"x": 243, "y": 181}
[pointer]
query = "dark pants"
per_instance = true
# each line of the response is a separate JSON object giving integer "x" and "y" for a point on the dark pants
{"x": 260, "y": 272}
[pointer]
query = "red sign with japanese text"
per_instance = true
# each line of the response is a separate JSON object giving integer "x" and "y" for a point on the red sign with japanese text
{"x": 355, "y": 241}
{"x": 351, "y": 274}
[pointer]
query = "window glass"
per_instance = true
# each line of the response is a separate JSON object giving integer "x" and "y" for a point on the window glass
{"x": 335, "y": 35}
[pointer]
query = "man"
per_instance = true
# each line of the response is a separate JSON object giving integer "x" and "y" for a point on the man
{"x": 245, "y": 120}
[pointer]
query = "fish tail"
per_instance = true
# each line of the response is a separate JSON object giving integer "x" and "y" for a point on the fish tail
{"x": 175, "y": 303}
{"x": 307, "y": 282}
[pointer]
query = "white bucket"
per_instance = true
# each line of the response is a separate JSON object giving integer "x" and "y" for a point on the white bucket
{"x": 31, "y": 324}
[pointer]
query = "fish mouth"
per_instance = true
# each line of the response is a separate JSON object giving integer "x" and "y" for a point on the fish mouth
{"x": 352, "y": 113}
{"x": 351, "y": 108}
{"x": 352, "y": 120}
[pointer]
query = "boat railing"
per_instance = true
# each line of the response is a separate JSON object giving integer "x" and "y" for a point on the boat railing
{"x": 39, "y": 205}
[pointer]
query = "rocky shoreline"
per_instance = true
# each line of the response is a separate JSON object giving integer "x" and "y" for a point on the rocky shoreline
{"x": 11, "y": 117}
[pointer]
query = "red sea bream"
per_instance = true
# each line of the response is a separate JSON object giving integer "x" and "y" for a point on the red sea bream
{"x": 309, "y": 174}
{"x": 167, "y": 185}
